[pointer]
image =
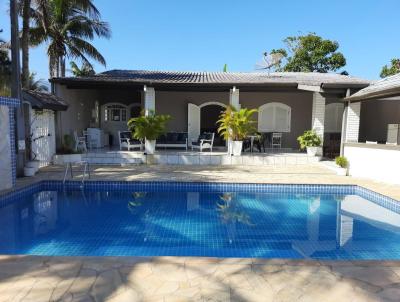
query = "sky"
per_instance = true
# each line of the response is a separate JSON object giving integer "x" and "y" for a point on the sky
{"x": 203, "y": 35}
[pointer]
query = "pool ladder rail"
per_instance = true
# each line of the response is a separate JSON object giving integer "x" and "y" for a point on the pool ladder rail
{"x": 86, "y": 170}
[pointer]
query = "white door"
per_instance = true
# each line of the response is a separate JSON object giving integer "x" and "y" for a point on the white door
{"x": 193, "y": 123}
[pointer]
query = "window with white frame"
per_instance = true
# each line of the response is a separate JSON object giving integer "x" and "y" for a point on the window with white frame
{"x": 333, "y": 117}
{"x": 115, "y": 113}
{"x": 274, "y": 117}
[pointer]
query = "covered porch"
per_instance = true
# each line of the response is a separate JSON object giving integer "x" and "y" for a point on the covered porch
{"x": 288, "y": 104}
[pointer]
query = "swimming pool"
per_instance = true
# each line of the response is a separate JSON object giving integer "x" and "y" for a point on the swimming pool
{"x": 200, "y": 219}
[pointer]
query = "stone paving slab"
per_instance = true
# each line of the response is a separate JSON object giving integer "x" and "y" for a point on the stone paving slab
{"x": 36, "y": 278}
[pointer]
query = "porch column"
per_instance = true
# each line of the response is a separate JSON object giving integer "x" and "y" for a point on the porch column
{"x": 318, "y": 114}
{"x": 149, "y": 100}
{"x": 234, "y": 97}
{"x": 350, "y": 124}
{"x": 353, "y": 122}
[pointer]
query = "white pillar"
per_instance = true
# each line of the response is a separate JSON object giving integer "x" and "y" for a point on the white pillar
{"x": 318, "y": 114}
{"x": 149, "y": 99}
{"x": 352, "y": 122}
{"x": 234, "y": 98}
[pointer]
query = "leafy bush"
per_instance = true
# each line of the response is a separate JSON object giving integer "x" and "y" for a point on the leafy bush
{"x": 148, "y": 127}
{"x": 309, "y": 139}
{"x": 342, "y": 161}
{"x": 67, "y": 146}
{"x": 236, "y": 124}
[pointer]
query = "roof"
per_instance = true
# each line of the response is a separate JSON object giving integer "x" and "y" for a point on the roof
{"x": 44, "y": 100}
{"x": 147, "y": 77}
{"x": 387, "y": 87}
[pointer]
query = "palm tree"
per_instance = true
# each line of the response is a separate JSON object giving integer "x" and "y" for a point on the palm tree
{"x": 25, "y": 7}
{"x": 37, "y": 85}
{"x": 85, "y": 70}
{"x": 67, "y": 25}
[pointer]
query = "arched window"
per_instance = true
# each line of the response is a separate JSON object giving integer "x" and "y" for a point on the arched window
{"x": 274, "y": 117}
{"x": 115, "y": 113}
{"x": 333, "y": 117}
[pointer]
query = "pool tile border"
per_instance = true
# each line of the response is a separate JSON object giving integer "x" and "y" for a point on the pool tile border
{"x": 380, "y": 199}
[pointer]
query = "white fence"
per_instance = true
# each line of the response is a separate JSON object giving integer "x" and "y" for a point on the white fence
{"x": 378, "y": 162}
{"x": 43, "y": 129}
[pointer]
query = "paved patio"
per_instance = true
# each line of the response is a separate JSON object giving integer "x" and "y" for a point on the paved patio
{"x": 195, "y": 279}
{"x": 34, "y": 278}
{"x": 316, "y": 173}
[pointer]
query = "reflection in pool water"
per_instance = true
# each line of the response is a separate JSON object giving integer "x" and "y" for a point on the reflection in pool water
{"x": 218, "y": 224}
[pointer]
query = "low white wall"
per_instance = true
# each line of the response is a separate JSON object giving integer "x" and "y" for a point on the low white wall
{"x": 378, "y": 162}
{"x": 5, "y": 150}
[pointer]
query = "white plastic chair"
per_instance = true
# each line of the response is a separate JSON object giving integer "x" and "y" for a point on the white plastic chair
{"x": 80, "y": 142}
{"x": 205, "y": 141}
{"x": 125, "y": 141}
{"x": 276, "y": 141}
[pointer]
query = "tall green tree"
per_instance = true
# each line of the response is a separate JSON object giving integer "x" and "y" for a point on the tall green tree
{"x": 309, "y": 53}
{"x": 391, "y": 69}
{"x": 68, "y": 26}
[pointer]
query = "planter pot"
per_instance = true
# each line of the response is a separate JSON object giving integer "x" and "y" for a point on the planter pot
{"x": 33, "y": 164}
{"x": 150, "y": 146}
{"x": 237, "y": 148}
{"x": 341, "y": 171}
{"x": 311, "y": 151}
{"x": 29, "y": 171}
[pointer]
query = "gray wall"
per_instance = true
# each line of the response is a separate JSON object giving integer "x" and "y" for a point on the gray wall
{"x": 175, "y": 103}
{"x": 301, "y": 110}
{"x": 375, "y": 117}
{"x": 79, "y": 112}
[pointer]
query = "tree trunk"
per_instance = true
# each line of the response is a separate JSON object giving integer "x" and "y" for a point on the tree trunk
{"x": 25, "y": 43}
{"x": 16, "y": 84}
{"x": 62, "y": 63}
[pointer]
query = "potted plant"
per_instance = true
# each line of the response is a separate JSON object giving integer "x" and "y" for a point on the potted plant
{"x": 343, "y": 164}
{"x": 148, "y": 127}
{"x": 235, "y": 125}
{"x": 311, "y": 141}
{"x": 67, "y": 154}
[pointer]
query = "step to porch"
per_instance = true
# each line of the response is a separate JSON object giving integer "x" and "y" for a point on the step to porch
{"x": 196, "y": 158}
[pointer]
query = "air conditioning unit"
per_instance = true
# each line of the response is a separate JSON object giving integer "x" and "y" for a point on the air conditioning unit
{"x": 393, "y": 134}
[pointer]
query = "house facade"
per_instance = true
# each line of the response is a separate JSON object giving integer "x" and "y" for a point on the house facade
{"x": 288, "y": 103}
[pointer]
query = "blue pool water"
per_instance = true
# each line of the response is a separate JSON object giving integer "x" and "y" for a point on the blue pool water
{"x": 216, "y": 220}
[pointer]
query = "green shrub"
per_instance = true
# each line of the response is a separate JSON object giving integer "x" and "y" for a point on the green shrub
{"x": 68, "y": 145}
{"x": 148, "y": 127}
{"x": 236, "y": 124}
{"x": 309, "y": 139}
{"x": 342, "y": 161}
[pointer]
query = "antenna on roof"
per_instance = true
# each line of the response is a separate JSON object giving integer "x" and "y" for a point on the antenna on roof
{"x": 268, "y": 61}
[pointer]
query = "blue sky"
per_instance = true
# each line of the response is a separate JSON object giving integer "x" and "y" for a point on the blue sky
{"x": 204, "y": 34}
